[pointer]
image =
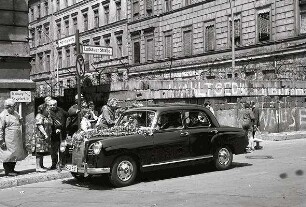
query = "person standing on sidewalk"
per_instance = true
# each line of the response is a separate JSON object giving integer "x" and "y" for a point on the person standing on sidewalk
{"x": 41, "y": 138}
{"x": 246, "y": 124}
{"x": 11, "y": 144}
{"x": 255, "y": 121}
{"x": 59, "y": 117}
{"x": 72, "y": 120}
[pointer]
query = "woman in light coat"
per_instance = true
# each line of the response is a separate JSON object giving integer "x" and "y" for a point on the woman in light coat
{"x": 11, "y": 144}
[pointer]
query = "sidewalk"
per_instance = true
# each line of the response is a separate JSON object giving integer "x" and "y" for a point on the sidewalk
{"x": 28, "y": 175}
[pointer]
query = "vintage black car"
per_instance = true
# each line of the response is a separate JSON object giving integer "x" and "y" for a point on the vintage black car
{"x": 150, "y": 138}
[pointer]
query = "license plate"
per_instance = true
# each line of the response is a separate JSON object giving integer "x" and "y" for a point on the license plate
{"x": 71, "y": 168}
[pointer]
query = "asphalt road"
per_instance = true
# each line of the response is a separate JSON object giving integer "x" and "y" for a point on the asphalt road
{"x": 274, "y": 176}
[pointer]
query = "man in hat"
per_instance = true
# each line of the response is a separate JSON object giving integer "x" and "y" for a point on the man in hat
{"x": 107, "y": 117}
{"x": 11, "y": 143}
{"x": 73, "y": 112}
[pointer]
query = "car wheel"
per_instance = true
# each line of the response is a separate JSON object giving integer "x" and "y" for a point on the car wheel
{"x": 80, "y": 177}
{"x": 123, "y": 172}
{"x": 223, "y": 158}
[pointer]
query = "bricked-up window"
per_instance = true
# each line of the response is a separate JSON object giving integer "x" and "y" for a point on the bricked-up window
{"x": 96, "y": 18}
{"x": 57, "y": 5}
{"x": 106, "y": 14}
{"x": 118, "y": 10}
{"x": 237, "y": 31}
{"x": 67, "y": 27}
{"x": 168, "y": 5}
{"x": 136, "y": 9}
{"x": 168, "y": 44}
{"x": 264, "y": 27}
{"x": 210, "y": 37}
{"x": 119, "y": 46}
{"x": 46, "y": 7}
{"x": 149, "y": 44}
{"x": 75, "y": 23}
{"x": 67, "y": 57}
{"x": 149, "y": 7}
{"x": 85, "y": 21}
{"x": 302, "y": 16}
{"x": 187, "y": 2}
{"x": 59, "y": 30}
{"x": 47, "y": 62}
{"x": 38, "y": 11}
{"x": 60, "y": 59}
{"x": 187, "y": 41}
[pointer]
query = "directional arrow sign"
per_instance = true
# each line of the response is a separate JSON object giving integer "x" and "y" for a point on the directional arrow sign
{"x": 97, "y": 50}
{"x": 66, "y": 41}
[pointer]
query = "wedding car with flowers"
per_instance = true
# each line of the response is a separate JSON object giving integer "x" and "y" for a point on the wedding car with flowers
{"x": 150, "y": 138}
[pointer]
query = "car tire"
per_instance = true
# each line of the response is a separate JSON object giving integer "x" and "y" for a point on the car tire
{"x": 223, "y": 158}
{"x": 123, "y": 172}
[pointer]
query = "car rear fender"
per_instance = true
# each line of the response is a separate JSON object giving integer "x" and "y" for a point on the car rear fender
{"x": 225, "y": 139}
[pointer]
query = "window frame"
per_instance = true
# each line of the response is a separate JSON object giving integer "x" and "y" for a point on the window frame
{"x": 206, "y": 25}
{"x": 258, "y": 12}
{"x": 185, "y": 30}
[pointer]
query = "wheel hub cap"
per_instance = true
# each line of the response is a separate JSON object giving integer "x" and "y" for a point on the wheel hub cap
{"x": 224, "y": 156}
{"x": 125, "y": 170}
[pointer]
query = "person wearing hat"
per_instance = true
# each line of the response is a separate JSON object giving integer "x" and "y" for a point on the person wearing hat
{"x": 107, "y": 117}
{"x": 11, "y": 143}
{"x": 72, "y": 121}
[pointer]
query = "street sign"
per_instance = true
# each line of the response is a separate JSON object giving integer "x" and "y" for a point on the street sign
{"x": 97, "y": 50}
{"x": 66, "y": 41}
{"x": 21, "y": 96}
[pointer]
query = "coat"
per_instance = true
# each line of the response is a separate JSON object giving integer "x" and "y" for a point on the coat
{"x": 10, "y": 132}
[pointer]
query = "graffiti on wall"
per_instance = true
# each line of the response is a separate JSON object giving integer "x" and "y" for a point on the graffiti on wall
{"x": 283, "y": 119}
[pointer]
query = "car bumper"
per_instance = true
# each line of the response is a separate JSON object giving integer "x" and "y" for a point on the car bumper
{"x": 84, "y": 169}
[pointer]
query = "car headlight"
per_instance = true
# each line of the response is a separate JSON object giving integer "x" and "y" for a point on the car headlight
{"x": 97, "y": 147}
{"x": 63, "y": 146}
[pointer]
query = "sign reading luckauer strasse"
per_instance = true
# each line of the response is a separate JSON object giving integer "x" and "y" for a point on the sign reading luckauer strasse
{"x": 21, "y": 96}
{"x": 97, "y": 50}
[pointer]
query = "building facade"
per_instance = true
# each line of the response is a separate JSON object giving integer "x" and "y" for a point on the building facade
{"x": 100, "y": 23}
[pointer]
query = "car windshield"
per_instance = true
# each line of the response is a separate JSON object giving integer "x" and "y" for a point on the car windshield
{"x": 137, "y": 119}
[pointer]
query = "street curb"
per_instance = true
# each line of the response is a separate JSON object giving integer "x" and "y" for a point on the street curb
{"x": 9, "y": 182}
{"x": 283, "y": 136}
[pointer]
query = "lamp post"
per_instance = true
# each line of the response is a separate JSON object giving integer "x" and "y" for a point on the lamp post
{"x": 233, "y": 33}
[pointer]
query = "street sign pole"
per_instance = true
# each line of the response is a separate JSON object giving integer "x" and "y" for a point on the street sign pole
{"x": 77, "y": 40}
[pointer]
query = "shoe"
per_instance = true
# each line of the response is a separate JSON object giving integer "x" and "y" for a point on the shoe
{"x": 53, "y": 167}
{"x": 41, "y": 170}
{"x": 11, "y": 174}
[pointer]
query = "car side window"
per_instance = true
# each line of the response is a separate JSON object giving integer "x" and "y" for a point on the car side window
{"x": 170, "y": 120}
{"x": 196, "y": 119}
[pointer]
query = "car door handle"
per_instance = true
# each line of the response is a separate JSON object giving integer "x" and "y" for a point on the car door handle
{"x": 214, "y": 131}
{"x": 184, "y": 134}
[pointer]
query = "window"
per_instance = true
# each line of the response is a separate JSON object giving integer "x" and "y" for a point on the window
{"x": 31, "y": 14}
{"x": 136, "y": 9}
{"x": 168, "y": 5}
{"x": 96, "y": 18}
{"x": 210, "y": 37}
{"x": 75, "y": 23}
{"x": 263, "y": 24}
{"x": 302, "y": 17}
{"x": 60, "y": 59}
{"x": 118, "y": 10}
{"x": 47, "y": 62}
{"x": 40, "y": 62}
{"x": 107, "y": 44}
{"x": 57, "y": 5}
{"x": 149, "y": 7}
{"x": 119, "y": 46}
{"x": 38, "y": 11}
{"x": 85, "y": 20}
{"x": 187, "y": 41}
{"x": 96, "y": 41}
{"x": 46, "y": 8}
{"x": 187, "y": 2}
{"x": 33, "y": 64}
{"x": 47, "y": 33}
{"x": 59, "y": 30}
{"x": 67, "y": 27}
{"x": 68, "y": 57}
{"x": 170, "y": 120}
{"x": 33, "y": 37}
{"x": 237, "y": 31}
{"x": 149, "y": 40}
{"x": 136, "y": 49}
{"x": 39, "y": 35}
{"x": 196, "y": 119}
{"x": 168, "y": 45}
{"x": 106, "y": 13}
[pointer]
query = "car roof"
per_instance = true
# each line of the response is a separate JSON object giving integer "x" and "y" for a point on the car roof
{"x": 167, "y": 107}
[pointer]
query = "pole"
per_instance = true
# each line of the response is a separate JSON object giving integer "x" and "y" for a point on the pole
{"x": 78, "y": 77}
{"x": 233, "y": 34}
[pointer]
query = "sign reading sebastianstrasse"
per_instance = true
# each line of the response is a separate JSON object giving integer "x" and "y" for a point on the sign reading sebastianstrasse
{"x": 21, "y": 96}
{"x": 66, "y": 41}
{"x": 97, "y": 50}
